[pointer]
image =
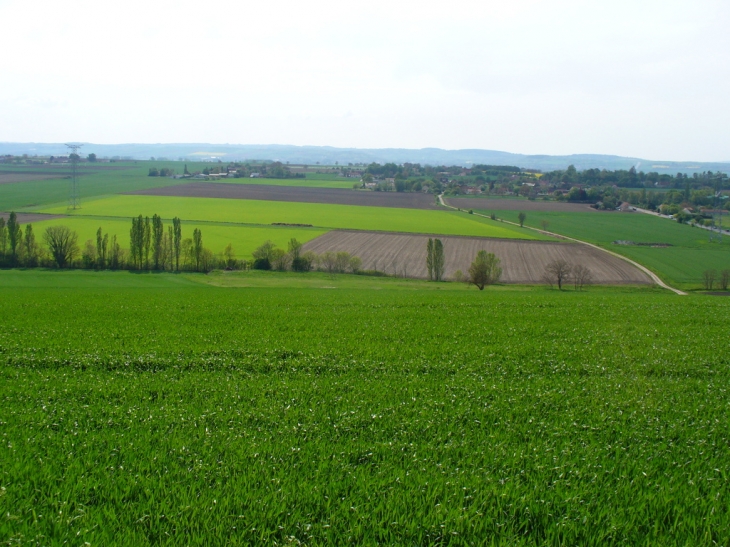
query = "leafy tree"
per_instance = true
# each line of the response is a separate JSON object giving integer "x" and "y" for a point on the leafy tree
{"x": 280, "y": 259}
{"x": 186, "y": 172}
{"x": 265, "y": 250}
{"x": 30, "y": 247}
{"x": 545, "y": 225}
{"x": 355, "y": 264}
{"x": 61, "y": 244}
{"x": 91, "y": 158}
{"x": 558, "y": 271}
{"x": 485, "y": 270}
{"x": 230, "y": 257}
{"x": 328, "y": 260}
{"x": 186, "y": 250}
{"x": 439, "y": 262}
{"x": 295, "y": 252}
{"x": 343, "y": 261}
{"x": 522, "y": 217}
{"x": 154, "y": 172}
{"x": 88, "y": 254}
{"x": 14, "y": 236}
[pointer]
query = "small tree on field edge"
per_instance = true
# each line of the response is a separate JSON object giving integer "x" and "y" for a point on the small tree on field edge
{"x": 485, "y": 270}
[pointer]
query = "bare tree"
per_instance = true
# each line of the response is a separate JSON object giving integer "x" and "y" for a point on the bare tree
{"x": 709, "y": 277}
{"x": 62, "y": 244}
{"x": 724, "y": 279}
{"x": 581, "y": 276}
{"x": 545, "y": 224}
{"x": 558, "y": 271}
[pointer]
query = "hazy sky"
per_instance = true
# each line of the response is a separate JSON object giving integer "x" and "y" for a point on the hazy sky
{"x": 646, "y": 78}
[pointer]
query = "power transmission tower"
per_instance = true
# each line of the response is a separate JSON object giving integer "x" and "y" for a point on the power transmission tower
{"x": 73, "y": 197}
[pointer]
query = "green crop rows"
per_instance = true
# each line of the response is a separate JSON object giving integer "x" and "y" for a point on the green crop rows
{"x": 191, "y": 415}
{"x": 318, "y": 214}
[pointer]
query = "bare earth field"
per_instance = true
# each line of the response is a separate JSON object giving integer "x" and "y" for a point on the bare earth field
{"x": 487, "y": 204}
{"x": 522, "y": 261}
{"x": 293, "y": 194}
{"x": 25, "y": 218}
{"x": 10, "y": 178}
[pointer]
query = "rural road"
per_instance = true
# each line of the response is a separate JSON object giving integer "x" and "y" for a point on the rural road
{"x": 648, "y": 272}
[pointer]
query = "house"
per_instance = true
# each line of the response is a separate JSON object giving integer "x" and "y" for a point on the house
{"x": 255, "y": 175}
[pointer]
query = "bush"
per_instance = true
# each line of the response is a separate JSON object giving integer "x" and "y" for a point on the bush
{"x": 261, "y": 264}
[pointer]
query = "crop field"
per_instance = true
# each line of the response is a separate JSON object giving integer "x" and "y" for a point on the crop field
{"x": 497, "y": 204}
{"x": 216, "y": 236}
{"x": 690, "y": 252}
{"x": 327, "y": 216}
{"x": 521, "y": 261}
{"x": 301, "y": 195}
{"x": 180, "y": 414}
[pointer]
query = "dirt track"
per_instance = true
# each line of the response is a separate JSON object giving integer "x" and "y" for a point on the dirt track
{"x": 489, "y": 204}
{"x": 522, "y": 261}
{"x": 295, "y": 194}
{"x": 25, "y": 218}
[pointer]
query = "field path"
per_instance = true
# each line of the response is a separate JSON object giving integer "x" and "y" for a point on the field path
{"x": 644, "y": 269}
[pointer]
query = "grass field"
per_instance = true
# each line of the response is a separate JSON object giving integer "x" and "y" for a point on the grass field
{"x": 216, "y": 236}
{"x": 320, "y": 215}
{"x": 691, "y": 252}
{"x": 134, "y": 413}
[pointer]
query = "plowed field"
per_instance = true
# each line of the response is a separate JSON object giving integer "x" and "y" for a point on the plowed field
{"x": 25, "y": 218}
{"x": 295, "y": 194}
{"x": 522, "y": 261}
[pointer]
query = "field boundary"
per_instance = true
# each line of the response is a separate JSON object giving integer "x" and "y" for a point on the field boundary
{"x": 644, "y": 269}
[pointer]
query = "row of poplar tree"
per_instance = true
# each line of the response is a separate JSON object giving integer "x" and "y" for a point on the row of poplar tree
{"x": 152, "y": 247}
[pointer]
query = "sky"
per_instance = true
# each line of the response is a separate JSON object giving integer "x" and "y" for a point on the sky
{"x": 640, "y": 78}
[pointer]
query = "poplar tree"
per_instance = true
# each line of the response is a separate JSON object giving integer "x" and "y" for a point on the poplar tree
{"x": 170, "y": 247}
{"x": 136, "y": 241}
{"x": 177, "y": 231}
{"x": 101, "y": 249}
{"x": 147, "y": 241}
{"x": 158, "y": 233}
{"x": 197, "y": 247}
{"x": 14, "y": 236}
{"x": 429, "y": 258}
{"x": 3, "y": 236}
{"x": 30, "y": 246}
{"x": 439, "y": 262}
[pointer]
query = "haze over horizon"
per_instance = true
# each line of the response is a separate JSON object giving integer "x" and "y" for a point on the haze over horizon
{"x": 639, "y": 80}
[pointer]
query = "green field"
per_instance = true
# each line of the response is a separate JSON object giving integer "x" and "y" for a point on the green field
{"x": 690, "y": 254}
{"x": 143, "y": 408}
{"x": 317, "y": 214}
{"x": 216, "y": 236}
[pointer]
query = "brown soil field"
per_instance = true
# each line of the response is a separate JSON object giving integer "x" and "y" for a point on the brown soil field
{"x": 521, "y": 261}
{"x": 296, "y": 194}
{"x": 25, "y": 218}
{"x": 490, "y": 204}
{"x": 25, "y": 177}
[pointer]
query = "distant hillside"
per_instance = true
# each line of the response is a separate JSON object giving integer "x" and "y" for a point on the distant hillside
{"x": 330, "y": 155}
